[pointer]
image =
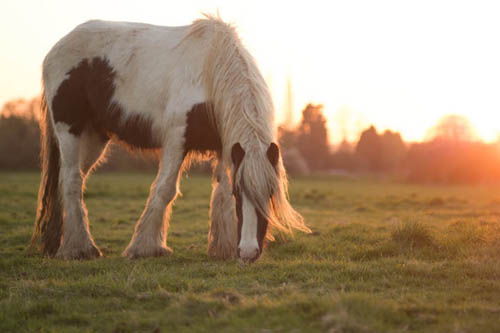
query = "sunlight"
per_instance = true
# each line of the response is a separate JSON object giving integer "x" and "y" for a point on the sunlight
{"x": 487, "y": 128}
{"x": 346, "y": 180}
{"x": 376, "y": 59}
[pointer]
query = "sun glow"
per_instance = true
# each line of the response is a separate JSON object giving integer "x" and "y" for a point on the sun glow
{"x": 396, "y": 65}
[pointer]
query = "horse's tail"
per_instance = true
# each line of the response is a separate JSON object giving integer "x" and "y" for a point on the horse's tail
{"x": 49, "y": 216}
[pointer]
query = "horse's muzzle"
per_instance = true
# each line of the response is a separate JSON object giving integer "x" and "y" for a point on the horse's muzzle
{"x": 248, "y": 256}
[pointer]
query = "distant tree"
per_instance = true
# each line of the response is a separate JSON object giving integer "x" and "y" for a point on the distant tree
{"x": 20, "y": 141}
{"x": 380, "y": 152}
{"x": 344, "y": 158}
{"x": 369, "y": 149}
{"x": 393, "y": 151}
{"x": 19, "y": 135}
{"x": 452, "y": 154}
{"x": 345, "y": 146}
{"x": 22, "y": 108}
{"x": 441, "y": 161}
{"x": 453, "y": 128}
{"x": 287, "y": 137}
{"x": 312, "y": 137}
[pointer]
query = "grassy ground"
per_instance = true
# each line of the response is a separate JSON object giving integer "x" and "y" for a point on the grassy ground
{"x": 382, "y": 257}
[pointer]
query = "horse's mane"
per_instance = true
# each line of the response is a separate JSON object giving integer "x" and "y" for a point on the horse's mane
{"x": 241, "y": 109}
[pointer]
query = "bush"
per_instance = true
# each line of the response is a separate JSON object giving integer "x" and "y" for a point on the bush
{"x": 413, "y": 234}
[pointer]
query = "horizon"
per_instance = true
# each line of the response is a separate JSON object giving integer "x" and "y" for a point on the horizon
{"x": 398, "y": 66}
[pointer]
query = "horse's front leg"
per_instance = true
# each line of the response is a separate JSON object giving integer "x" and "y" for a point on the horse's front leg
{"x": 150, "y": 235}
{"x": 223, "y": 234}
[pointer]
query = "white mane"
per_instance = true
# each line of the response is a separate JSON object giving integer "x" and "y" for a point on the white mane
{"x": 243, "y": 112}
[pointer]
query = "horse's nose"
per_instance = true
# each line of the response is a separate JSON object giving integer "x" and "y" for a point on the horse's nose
{"x": 248, "y": 255}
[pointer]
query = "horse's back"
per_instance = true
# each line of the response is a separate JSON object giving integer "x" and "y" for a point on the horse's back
{"x": 104, "y": 73}
{"x": 121, "y": 43}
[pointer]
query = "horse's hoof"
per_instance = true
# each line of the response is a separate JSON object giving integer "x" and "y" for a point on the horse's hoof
{"x": 222, "y": 248}
{"x": 135, "y": 253}
{"x": 224, "y": 253}
{"x": 89, "y": 252}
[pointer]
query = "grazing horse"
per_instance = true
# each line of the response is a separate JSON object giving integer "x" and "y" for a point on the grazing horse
{"x": 183, "y": 91}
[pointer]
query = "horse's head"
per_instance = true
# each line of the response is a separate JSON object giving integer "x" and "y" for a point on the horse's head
{"x": 255, "y": 179}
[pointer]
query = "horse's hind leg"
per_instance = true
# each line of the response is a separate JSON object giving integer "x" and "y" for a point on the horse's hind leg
{"x": 150, "y": 235}
{"x": 77, "y": 243}
{"x": 92, "y": 150}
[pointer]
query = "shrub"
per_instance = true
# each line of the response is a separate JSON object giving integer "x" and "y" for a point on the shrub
{"x": 413, "y": 234}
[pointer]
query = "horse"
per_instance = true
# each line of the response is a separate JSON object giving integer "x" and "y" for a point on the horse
{"x": 184, "y": 92}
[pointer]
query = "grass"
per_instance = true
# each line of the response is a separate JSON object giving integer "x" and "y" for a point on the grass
{"x": 413, "y": 234}
{"x": 383, "y": 257}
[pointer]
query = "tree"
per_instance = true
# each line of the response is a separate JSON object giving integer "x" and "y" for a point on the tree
{"x": 452, "y": 154}
{"x": 369, "y": 149}
{"x": 380, "y": 152}
{"x": 21, "y": 108}
{"x": 19, "y": 134}
{"x": 393, "y": 150}
{"x": 312, "y": 137}
{"x": 287, "y": 137}
{"x": 453, "y": 128}
{"x": 20, "y": 140}
{"x": 344, "y": 158}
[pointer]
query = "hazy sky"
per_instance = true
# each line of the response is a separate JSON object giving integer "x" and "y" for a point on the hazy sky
{"x": 395, "y": 64}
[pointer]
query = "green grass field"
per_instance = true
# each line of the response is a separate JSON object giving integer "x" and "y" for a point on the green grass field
{"x": 383, "y": 257}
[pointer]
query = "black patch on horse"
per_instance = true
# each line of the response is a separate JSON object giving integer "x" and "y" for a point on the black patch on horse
{"x": 261, "y": 230}
{"x": 84, "y": 100}
{"x": 239, "y": 213}
{"x": 273, "y": 154}
{"x": 237, "y": 154}
{"x": 200, "y": 135}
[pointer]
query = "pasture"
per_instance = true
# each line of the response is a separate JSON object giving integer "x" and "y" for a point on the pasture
{"x": 383, "y": 257}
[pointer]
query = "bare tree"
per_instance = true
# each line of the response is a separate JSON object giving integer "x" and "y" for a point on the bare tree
{"x": 453, "y": 128}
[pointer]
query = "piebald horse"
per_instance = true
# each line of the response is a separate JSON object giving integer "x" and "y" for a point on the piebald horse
{"x": 183, "y": 91}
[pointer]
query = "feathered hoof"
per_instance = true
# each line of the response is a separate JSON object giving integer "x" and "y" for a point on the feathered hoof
{"x": 89, "y": 252}
{"x": 223, "y": 253}
{"x": 144, "y": 252}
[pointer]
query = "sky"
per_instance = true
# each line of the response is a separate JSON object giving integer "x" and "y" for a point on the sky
{"x": 399, "y": 65}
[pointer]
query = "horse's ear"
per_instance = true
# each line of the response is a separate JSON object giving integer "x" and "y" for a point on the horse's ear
{"x": 273, "y": 154}
{"x": 237, "y": 154}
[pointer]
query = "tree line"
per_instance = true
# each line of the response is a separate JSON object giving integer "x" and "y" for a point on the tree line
{"x": 20, "y": 141}
{"x": 450, "y": 154}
